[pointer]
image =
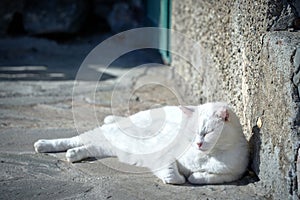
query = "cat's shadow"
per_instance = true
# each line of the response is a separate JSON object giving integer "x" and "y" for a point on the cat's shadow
{"x": 248, "y": 178}
{"x": 87, "y": 160}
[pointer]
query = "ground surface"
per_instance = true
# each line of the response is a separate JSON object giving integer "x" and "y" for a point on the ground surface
{"x": 30, "y": 110}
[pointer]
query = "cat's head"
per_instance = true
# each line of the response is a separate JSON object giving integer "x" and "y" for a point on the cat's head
{"x": 216, "y": 124}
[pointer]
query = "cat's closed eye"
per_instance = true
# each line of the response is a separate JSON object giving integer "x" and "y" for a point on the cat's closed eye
{"x": 203, "y": 134}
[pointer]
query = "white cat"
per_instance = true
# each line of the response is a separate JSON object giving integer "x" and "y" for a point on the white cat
{"x": 203, "y": 144}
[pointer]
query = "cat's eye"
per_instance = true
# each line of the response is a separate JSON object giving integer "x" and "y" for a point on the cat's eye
{"x": 208, "y": 132}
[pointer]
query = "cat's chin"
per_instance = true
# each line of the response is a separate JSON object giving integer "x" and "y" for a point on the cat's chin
{"x": 202, "y": 149}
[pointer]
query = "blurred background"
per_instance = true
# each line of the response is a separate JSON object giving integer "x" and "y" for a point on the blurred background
{"x": 48, "y": 40}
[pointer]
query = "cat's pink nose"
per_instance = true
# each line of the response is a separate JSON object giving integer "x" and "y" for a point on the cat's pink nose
{"x": 199, "y": 144}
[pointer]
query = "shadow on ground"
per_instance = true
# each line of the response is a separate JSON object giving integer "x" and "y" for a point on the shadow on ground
{"x": 32, "y": 58}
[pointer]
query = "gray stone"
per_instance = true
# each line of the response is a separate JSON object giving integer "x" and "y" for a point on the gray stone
{"x": 298, "y": 168}
{"x": 278, "y": 154}
{"x": 122, "y": 18}
{"x": 297, "y": 60}
{"x": 282, "y": 14}
{"x": 43, "y": 17}
{"x": 8, "y": 10}
{"x": 296, "y": 74}
{"x": 102, "y": 8}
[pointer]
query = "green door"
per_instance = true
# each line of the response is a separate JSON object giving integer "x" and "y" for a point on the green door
{"x": 159, "y": 15}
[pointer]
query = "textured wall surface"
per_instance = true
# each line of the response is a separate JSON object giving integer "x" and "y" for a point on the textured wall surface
{"x": 250, "y": 59}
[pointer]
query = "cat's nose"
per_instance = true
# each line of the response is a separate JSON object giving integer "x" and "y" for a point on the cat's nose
{"x": 199, "y": 144}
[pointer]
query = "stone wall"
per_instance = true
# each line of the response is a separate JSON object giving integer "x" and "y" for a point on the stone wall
{"x": 251, "y": 55}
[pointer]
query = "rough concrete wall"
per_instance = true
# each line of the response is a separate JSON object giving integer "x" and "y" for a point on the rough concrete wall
{"x": 252, "y": 67}
{"x": 277, "y": 106}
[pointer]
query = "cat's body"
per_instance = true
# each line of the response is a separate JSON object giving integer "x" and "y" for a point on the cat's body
{"x": 202, "y": 144}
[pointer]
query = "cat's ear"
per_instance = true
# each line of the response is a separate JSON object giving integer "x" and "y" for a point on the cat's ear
{"x": 188, "y": 110}
{"x": 223, "y": 113}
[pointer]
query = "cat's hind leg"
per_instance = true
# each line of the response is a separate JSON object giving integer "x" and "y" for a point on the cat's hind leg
{"x": 170, "y": 175}
{"x": 210, "y": 178}
{"x": 87, "y": 151}
{"x": 56, "y": 145}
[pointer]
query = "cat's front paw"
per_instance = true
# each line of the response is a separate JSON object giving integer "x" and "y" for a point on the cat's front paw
{"x": 77, "y": 154}
{"x": 198, "y": 178}
{"x": 43, "y": 146}
{"x": 175, "y": 180}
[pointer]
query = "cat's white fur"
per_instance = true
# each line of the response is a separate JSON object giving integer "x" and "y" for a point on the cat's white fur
{"x": 218, "y": 152}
